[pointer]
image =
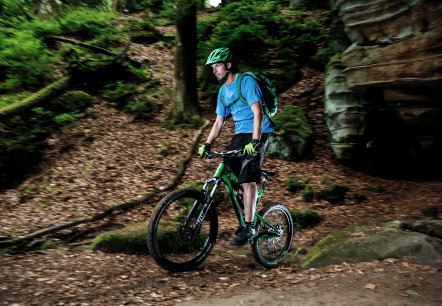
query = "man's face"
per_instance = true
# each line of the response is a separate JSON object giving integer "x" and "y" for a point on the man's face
{"x": 219, "y": 70}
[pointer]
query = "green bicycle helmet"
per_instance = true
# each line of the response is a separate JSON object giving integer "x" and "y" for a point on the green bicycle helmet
{"x": 219, "y": 55}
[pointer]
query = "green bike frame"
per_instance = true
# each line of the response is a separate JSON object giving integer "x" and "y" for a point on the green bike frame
{"x": 233, "y": 188}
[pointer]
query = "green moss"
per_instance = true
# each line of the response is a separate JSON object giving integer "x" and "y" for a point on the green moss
{"x": 429, "y": 227}
{"x": 133, "y": 240}
{"x": 333, "y": 192}
{"x": 334, "y": 60}
{"x": 130, "y": 240}
{"x": 305, "y": 218}
{"x": 294, "y": 185}
{"x": 74, "y": 100}
{"x": 307, "y": 193}
{"x": 376, "y": 188}
{"x": 292, "y": 121}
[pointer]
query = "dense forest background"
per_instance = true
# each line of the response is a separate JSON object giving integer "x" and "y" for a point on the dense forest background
{"x": 56, "y": 56}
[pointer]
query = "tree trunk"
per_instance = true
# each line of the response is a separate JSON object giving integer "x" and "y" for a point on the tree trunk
{"x": 117, "y": 5}
{"x": 185, "y": 108}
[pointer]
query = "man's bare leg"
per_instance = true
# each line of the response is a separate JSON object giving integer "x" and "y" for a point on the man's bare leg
{"x": 249, "y": 197}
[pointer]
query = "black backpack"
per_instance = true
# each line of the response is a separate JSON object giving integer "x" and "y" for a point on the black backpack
{"x": 267, "y": 88}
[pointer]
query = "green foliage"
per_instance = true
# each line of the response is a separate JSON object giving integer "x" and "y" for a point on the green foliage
{"x": 27, "y": 59}
{"x": 138, "y": 106}
{"x": 376, "y": 188}
{"x": 13, "y": 98}
{"x": 13, "y": 8}
{"x": 307, "y": 193}
{"x": 86, "y": 22}
{"x": 103, "y": 4}
{"x": 333, "y": 192}
{"x": 24, "y": 61}
{"x": 293, "y": 185}
{"x": 40, "y": 28}
{"x": 292, "y": 121}
{"x": 143, "y": 32}
{"x": 118, "y": 90}
{"x": 264, "y": 37}
{"x": 66, "y": 118}
{"x": 74, "y": 100}
{"x": 305, "y": 218}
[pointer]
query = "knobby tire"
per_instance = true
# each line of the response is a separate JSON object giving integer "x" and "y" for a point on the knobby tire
{"x": 269, "y": 248}
{"x": 167, "y": 244}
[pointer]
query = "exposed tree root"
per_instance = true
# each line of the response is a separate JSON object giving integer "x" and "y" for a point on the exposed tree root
{"x": 144, "y": 199}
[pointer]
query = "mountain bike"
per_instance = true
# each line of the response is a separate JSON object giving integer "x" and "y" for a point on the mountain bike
{"x": 184, "y": 225}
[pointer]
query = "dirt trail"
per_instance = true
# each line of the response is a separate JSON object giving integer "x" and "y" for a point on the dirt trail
{"x": 228, "y": 277}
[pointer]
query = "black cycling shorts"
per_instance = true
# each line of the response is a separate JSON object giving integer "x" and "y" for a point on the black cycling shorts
{"x": 247, "y": 169}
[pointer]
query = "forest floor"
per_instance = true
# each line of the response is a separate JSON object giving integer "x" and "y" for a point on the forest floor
{"x": 109, "y": 157}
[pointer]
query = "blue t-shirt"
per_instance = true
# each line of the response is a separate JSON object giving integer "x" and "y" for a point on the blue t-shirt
{"x": 241, "y": 112}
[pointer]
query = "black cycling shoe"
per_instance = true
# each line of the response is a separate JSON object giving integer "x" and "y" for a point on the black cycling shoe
{"x": 244, "y": 234}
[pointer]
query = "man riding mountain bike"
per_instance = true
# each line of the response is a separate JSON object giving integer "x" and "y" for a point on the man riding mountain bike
{"x": 252, "y": 129}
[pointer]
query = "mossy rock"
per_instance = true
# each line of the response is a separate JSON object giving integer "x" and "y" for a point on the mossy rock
{"x": 130, "y": 240}
{"x": 133, "y": 240}
{"x": 293, "y": 132}
{"x": 374, "y": 241}
{"x": 431, "y": 227}
{"x": 75, "y": 100}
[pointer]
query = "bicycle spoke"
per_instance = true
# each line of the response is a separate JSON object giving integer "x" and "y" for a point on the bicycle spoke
{"x": 275, "y": 237}
{"x": 173, "y": 239}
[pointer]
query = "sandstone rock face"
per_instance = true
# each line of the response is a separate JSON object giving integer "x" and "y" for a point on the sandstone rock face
{"x": 383, "y": 99}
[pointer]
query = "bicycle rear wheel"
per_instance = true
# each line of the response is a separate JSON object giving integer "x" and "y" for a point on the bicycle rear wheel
{"x": 273, "y": 242}
{"x": 172, "y": 240}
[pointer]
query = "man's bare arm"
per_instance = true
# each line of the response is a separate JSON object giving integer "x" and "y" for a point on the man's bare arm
{"x": 258, "y": 115}
{"x": 216, "y": 129}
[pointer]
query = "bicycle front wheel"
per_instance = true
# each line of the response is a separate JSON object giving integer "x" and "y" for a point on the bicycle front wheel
{"x": 172, "y": 238}
{"x": 275, "y": 235}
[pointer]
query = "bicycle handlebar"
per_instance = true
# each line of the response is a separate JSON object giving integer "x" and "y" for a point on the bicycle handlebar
{"x": 231, "y": 153}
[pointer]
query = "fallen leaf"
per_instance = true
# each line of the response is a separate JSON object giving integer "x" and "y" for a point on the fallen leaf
{"x": 370, "y": 286}
{"x": 412, "y": 292}
{"x": 154, "y": 295}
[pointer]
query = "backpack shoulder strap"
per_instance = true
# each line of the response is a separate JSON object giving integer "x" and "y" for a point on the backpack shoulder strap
{"x": 238, "y": 84}
{"x": 223, "y": 91}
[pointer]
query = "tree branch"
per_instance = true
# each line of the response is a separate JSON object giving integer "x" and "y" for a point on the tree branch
{"x": 83, "y": 44}
{"x": 52, "y": 90}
